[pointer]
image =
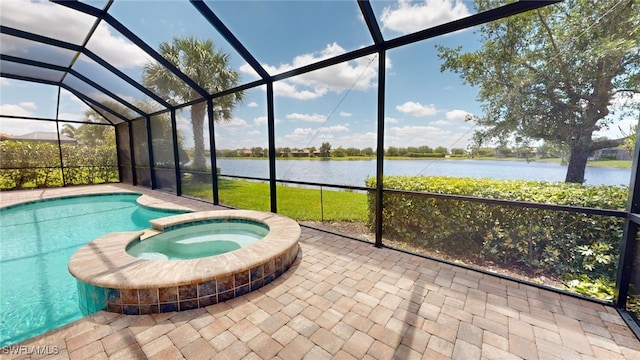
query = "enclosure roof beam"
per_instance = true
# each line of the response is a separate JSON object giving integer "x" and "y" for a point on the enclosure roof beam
{"x": 39, "y": 38}
{"x": 469, "y": 21}
{"x": 128, "y": 79}
{"x": 74, "y": 73}
{"x": 29, "y": 79}
{"x": 473, "y": 20}
{"x": 88, "y": 53}
{"x": 94, "y": 103}
{"x": 107, "y": 92}
{"x": 109, "y": 19}
{"x": 232, "y": 39}
{"x": 22, "y": 117}
{"x": 372, "y": 23}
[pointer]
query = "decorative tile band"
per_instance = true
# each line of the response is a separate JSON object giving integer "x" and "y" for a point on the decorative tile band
{"x": 112, "y": 279}
{"x": 217, "y": 221}
{"x": 92, "y": 298}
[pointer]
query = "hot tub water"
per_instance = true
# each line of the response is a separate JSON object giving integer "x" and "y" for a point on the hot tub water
{"x": 197, "y": 241}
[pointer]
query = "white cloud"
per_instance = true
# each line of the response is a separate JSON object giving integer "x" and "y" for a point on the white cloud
{"x": 390, "y": 120}
{"x": 617, "y": 130}
{"x": 416, "y": 109}
{"x": 234, "y": 125}
{"x": 71, "y": 116}
{"x": 457, "y": 115}
{"x": 21, "y": 127}
{"x": 45, "y": 18}
{"x": 417, "y": 131}
{"x": 21, "y": 109}
{"x": 59, "y": 22}
{"x": 128, "y": 55}
{"x": 247, "y": 69}
{"x": 359, "y": 74}
{"x": 252, "y": 104}
{"x": 303, "y": 131}
{"x": 430, "y": 135}
{"x": 359, "y": 141}
{"x": 307, "y": 117}
{"x": 284, "y": 89}
{"x": 310, "y": 131}
{"x": 622, "y": 100}
{"x": 621, "y": 107}
{"x": 406, "y": 17}
{"x": 262, "y": 120}
{"x": 300, "y": 137}
{"x": 335, "y": 128}
{"x": 345, "y": 114}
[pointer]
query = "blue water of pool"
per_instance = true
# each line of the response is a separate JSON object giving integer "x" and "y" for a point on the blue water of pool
{"x": 195, "y": 241}
{"x": 37, "y": 293}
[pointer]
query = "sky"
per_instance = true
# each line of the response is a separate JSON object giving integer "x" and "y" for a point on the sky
{"x": 423, "y": 106}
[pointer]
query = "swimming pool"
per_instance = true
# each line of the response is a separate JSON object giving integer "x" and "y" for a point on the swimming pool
{"x": 37, "y": 293}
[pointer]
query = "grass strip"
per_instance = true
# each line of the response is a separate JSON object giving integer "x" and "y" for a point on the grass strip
{"x": 295, "y": 202}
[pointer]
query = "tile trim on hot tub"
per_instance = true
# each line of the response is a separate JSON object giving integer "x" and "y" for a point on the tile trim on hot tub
{"x": 110, "y": 278}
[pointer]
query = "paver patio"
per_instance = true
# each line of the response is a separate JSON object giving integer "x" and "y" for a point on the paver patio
{"x": 349, "y": 300}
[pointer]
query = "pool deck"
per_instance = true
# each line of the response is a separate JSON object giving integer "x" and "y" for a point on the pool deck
{"x": 349, "y": 300}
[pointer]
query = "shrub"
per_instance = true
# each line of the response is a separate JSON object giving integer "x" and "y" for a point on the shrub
{"x": 33, "y": 165}
{"x": 537, "y": 241}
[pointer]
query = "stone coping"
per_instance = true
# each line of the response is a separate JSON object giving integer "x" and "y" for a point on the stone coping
{"x": 104, "y": 262}
{"x": 154, "y": 203}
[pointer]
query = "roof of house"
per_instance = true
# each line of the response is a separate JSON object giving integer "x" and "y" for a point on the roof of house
{"x": 44, "y": 136}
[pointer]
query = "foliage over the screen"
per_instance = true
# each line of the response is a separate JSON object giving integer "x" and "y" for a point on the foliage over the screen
{"x": 32, "y": 164}
{"x": 543, "y": 242}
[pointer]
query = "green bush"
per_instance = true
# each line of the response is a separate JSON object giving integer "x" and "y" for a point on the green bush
{"x": 609, "y": 157}
{"x": 34, "y": 165}
{"x": 537, "y": 241}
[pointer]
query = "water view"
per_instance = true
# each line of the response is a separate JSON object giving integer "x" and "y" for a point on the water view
{"x": 354, "y": 172}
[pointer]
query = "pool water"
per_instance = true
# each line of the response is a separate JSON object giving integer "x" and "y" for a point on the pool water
{"x": 37, "y": 293}
{"x": 195, "y": 241}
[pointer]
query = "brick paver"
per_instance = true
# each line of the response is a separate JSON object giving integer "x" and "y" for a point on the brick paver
{"x": 346, "y": 299}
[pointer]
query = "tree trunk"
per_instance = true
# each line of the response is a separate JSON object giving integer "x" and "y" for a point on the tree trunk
{"x": 577, "y": 164}
{"x": 197, "y": 121}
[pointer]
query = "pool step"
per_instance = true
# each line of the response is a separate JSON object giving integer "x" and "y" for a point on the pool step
{"x": 148, "y": 233}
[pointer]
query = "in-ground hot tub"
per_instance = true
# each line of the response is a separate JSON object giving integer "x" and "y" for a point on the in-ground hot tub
{"x": 214, "y": 237}
{"x": 110, "y": 278}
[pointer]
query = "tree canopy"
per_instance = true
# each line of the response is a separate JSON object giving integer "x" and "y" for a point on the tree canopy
{"x": 325, "y": 149}
{"x": 95, "y": 132}
{"x": 555, "y": 74}
{"x": 207, "y": 67}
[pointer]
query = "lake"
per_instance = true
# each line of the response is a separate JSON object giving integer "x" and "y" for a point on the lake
{"x": 354, "y": 172}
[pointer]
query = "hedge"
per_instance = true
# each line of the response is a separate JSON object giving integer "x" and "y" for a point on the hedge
{"x": 32, "y": 165}
{"x": 536, "y": 241}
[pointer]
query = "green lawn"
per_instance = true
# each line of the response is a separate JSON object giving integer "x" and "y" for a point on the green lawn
{"x": 294, "y": 202}
{"x": 624, "y": 164}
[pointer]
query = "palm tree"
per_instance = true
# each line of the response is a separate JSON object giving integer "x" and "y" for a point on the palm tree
{"x": 68, "y": 130}
{"x": 207, "y": 67}
{"x": 91, "y": 134}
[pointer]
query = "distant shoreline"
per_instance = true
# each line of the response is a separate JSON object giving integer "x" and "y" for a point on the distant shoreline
{"x": 620, "y": 164}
